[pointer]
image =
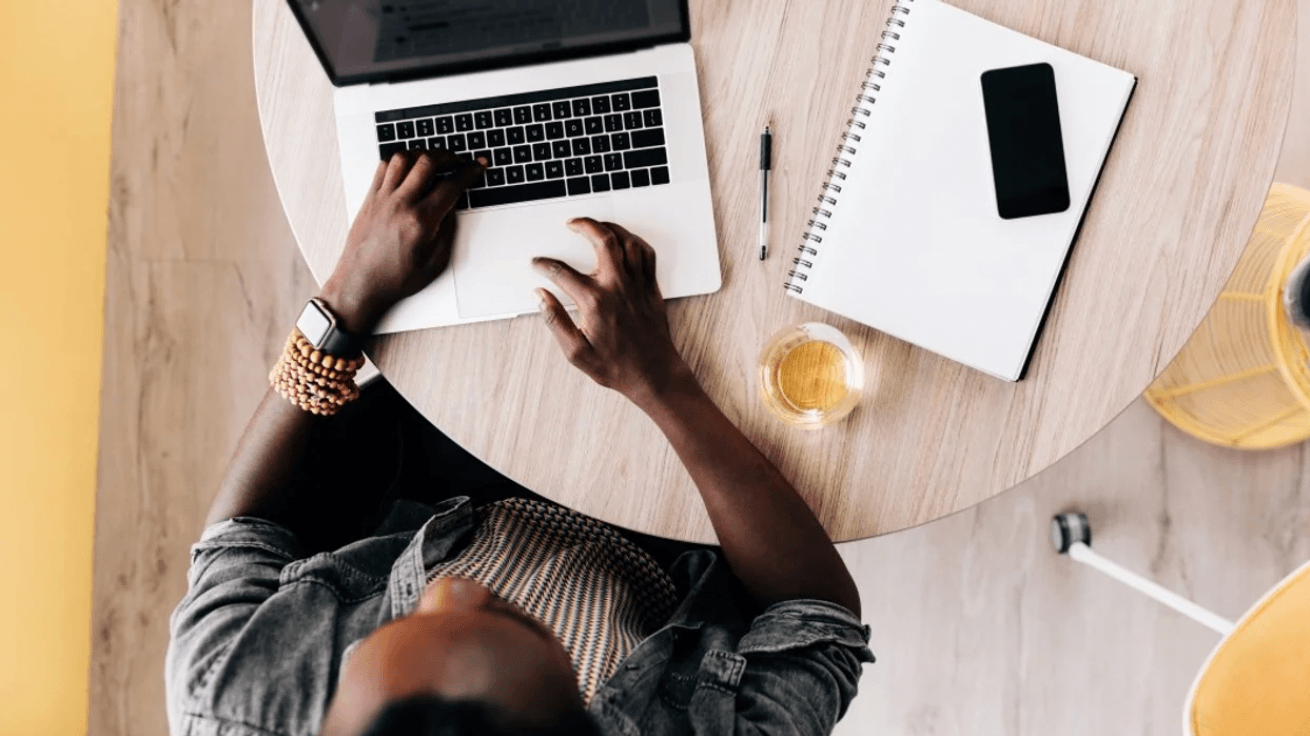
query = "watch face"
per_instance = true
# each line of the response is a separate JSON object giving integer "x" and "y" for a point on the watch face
{"x": 313, "y": 324}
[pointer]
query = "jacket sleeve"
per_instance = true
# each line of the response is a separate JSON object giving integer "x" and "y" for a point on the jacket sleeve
{"x": 235, "y": 568}
{"x": 795, "y": 672}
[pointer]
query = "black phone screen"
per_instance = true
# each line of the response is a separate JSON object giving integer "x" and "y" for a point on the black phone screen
{"x": 1023, "y": 126}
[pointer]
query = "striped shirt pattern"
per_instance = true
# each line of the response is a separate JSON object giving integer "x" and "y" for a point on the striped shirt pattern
{"x": 600, "y": 594}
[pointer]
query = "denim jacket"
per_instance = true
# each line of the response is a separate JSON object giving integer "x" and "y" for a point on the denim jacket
{"x": 258, "y": 640}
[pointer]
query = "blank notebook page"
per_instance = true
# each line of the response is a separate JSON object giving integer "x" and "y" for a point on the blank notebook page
{"x": 915, "y": 246}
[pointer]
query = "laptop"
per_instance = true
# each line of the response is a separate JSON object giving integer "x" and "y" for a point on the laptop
{"x": 583, "y": 107}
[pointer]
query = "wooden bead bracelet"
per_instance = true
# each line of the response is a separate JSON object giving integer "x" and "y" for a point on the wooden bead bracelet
{"x": 313, "y": 380}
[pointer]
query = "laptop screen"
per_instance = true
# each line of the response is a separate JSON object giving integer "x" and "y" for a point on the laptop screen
{"x": 379, "y": 40}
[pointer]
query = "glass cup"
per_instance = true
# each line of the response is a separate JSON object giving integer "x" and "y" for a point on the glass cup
{"x": 811, "y": 375}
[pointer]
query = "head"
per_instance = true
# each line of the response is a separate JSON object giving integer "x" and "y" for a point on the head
{"x": 463, "y": 657}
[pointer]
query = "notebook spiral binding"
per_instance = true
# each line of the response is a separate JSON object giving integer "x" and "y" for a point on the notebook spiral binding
{"x": 849, "y": 145}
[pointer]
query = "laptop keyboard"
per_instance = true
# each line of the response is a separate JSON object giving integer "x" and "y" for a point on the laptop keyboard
{"x": 544, "y": 145}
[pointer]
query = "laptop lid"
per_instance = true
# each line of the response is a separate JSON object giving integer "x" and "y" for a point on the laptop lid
{"x": 361, "y": 41}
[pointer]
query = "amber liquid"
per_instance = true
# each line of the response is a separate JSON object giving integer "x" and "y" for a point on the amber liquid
{"x": 812, "y": 376}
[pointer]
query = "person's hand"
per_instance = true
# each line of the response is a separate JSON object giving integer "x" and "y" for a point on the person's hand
{"x": 402, "y": 238}
{"x": 623, "y": 341}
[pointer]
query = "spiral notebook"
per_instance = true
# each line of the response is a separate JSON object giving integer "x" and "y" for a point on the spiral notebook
{"x": 906, "y": 237}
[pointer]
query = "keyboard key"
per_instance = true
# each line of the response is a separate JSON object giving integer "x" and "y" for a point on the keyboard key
{"x": 613, "y": 123}
{"x": 579, "y": 186}
{"x": 600, "y": 183}
{"x": 522, "y": 154}
{"x": 536, "y": 133}
{"x": 503, "y": 157}
{"x": 482, "y": 154}
{"x": 620, "y": 180}
{"x": 480, "y": 183}
{"x": 600, "y": 105}
{"x": 515, "y": 136}
{"x": 600, "y": 144}
{"x": 463, "y": 202}
{"x": 435, "y": 143}
{"x": 482, "y": 120}
{"x": 632, "y": 120}
{"x": 621, "y": 102}
{"x": 405, "y": 130}
{"x": 464, "y": 122}
{"x": 621, "y": 141}
{"x": 495, "y": 138}
{"x": 572, "y": 167}
{"x": 387, "y": 150}
{"x": 653, "y": 118}
{"x": 541, "y": 112}
{"x": 647, "y": 138}
{"x": 513, "y": 195}
{"x": 554, "y": 131}
{"x": 536, "y": 172}
{"x": 561, "y": 149}
{"x": 540, "y": 151}
{"x": 645, "y": 157}
{"x": 646, "y": 98}
{"x": 504, "y": 117}
{"x": 659, "y": 175}
{"x": 563, "y": 110}
{"x": 593, "y": 164}
{"x": 595, "y": 125}
{"x": 613, "y": 161}
{"x": 573, "y": 127}
{"x": 581, "y": 146}
{"x": 418, "y": 144}
{"x": 554, "y": 169}
{"x": 495, "y": 177}
{"x": 424, "y": 128}
{"x": 386, "y": 132}
{"x": 446, "y": 125}
{"x": 582, "y": 108}
{"x": 640, "y": 178}
{"x": 514, "y": 174}
{"x": 456, "y": 143}
{"x": 522, "y": 115}
{"x": 477, "y": 140}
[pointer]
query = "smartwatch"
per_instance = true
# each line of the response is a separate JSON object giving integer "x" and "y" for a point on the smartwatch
{"x": 320, "y": 327}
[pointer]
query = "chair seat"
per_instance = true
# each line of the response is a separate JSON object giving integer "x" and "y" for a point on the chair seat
{"x": 1257, "y": 681}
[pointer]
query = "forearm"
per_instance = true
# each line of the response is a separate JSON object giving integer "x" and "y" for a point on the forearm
{"x": 256, "y": 483}
{"x": 770, "y": 537}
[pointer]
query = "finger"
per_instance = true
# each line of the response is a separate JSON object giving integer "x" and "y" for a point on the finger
{"x": 570, "y": 338}
{"x": 633, "y": 254}
{"x": 609, "y": 251}
{"x": 377, "y": 177}
{"x": 451, "y": 181}
{"x": 566, "y": 277}
{"x": 418, "y": 178}
{"x": 397, "y": 167}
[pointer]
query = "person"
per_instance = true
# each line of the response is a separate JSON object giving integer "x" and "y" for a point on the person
{"x": 462, "y": 603}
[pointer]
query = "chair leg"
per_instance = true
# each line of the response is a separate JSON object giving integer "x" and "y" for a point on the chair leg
{"x": 1072, "y": 535}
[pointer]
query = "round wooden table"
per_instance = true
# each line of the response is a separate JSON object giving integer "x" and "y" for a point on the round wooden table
{"x": 1176, "y": 204}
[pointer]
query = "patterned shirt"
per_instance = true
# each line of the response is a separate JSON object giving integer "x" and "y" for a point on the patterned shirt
{"x": 599, "y": 593}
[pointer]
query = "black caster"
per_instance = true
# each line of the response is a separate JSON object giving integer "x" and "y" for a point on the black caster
{"x": 1069, "y": 528}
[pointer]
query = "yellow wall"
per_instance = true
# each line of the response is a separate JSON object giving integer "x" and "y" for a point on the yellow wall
{"x": 56, "y": 92}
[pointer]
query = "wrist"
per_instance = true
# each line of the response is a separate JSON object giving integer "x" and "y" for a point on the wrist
{"x": 355, "y": 314}
{"x": 655, "y": 396}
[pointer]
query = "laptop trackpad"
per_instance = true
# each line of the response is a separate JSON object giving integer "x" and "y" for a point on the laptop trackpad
{"x": 494, "y": 251}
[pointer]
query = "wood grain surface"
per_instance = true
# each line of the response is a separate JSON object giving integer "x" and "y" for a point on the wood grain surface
{"x": 1177, "y": 201}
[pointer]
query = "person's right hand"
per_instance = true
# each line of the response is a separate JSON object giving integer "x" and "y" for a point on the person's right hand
{"x": 623, "y": 341}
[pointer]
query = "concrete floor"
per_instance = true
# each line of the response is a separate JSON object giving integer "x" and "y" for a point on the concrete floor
{"x": 979, "y": 627}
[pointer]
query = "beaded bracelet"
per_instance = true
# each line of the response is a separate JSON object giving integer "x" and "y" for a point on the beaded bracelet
{"x": 313, "y": 380}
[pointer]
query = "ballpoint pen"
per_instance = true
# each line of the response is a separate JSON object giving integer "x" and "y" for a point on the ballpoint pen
{"x": 766, "y": 163}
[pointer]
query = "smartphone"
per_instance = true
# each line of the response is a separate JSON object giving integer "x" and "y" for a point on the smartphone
{"x": 1023, "y": 127}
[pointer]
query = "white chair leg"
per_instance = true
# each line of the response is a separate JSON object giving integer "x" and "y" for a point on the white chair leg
{"x": 1072, "y": 536}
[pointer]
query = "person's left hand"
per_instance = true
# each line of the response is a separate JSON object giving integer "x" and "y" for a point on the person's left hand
{"x": 402, "y": 238}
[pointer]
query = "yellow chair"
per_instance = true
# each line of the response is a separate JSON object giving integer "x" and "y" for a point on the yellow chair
{"x": 1256, "y": 682}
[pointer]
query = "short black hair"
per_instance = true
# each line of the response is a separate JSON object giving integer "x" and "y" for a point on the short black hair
{"x": 429, "y": 715}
